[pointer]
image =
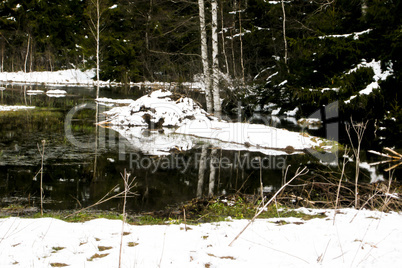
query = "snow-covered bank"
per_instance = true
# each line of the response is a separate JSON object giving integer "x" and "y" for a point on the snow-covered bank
{"x": 354, "y": 239}
{"x": 7, "y": 108}
{"x": 63, "y": 77}
{"x": 76, "y": 77}
{"x": 165, "y": 109}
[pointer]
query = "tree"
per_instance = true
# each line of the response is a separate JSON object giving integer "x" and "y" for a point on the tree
{"x": 215, "y": 60}
{"x": 204, "y": 56}
{"x": 211, "y": 75}
{"x": 95, "y": 13}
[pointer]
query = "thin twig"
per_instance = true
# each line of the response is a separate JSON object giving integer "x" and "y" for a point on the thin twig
{"x": 41, "y": 175}
{"x": 127, "y": 188}
{"x": 340, "y": 181}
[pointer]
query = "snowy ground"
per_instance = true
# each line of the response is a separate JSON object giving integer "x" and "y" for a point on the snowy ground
{"x": 354, "y": 239}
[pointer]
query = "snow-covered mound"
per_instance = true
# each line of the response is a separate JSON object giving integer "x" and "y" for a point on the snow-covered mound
{"x": 160, "y": 108}
{"x": 145, "y": 124}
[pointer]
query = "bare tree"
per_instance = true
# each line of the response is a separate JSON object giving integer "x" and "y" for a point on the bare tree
{"x": 96, "y": 11}
{"x": 284, "y": 34}
{"x": 27, "y": 54}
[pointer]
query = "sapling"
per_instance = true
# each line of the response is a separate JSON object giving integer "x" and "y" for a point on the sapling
{"x": 359, "y": 129}
{"x": 127, "y": 187}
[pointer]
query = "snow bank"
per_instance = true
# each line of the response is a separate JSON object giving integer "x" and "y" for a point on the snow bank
{"x": 6, "y": 108}
{"x": 67, "y": 77}
{"x": 365, "y": 238}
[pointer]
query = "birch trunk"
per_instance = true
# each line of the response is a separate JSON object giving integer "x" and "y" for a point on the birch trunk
{"x": 204, "y": 56}
{"x": 241, "y": 45}
{"x": 97, "y": 46}
{"x": 284, "y": 34}
{"x": 223, "y": 43}
{"x": 215, "y": 60}
{"x": 27, "y": 54}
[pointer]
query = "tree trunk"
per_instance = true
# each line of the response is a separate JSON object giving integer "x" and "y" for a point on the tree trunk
{"x": 204, "y": 56}
{"x": 27, "y": 54}
{"x": 97, "y": 46}
{"x": 241, "y": 45}
{"x": 215, "y": 60}
{"x": 223, "y": 44}
{"x": 284, "y": 35}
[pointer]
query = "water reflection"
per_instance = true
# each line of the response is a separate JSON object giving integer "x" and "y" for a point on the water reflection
{"x": 77, "y": 176}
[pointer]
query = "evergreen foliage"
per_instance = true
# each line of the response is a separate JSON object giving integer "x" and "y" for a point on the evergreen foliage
{"x": 158, "y": 40}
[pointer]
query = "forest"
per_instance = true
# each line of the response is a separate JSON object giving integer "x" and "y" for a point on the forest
{"x": 290, "y": 53}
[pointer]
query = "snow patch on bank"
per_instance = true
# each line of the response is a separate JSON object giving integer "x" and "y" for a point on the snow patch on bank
{"x": 66, "y": 77}
{"x": 355, "y": 238}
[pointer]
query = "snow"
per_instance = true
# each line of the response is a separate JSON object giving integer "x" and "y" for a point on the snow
{"x": 33, "y": 92}
{"x": 379, "y": 75}
{"x": 354, "y": 238}
{"x": 6, "y": 108}
{"x": 56, "y": 93}
{"x": 68, "y": 77}
{"x": 355, "y": 35}
{"x": 159, "y": 105}
{"x": 107, "y": 101}
{"x": 293, "y": 112}
{"x": 170, "y": 112}
{"x": 254, "y": 136}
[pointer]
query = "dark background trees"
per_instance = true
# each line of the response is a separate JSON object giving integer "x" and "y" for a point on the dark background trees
{"x": 159, "y": 40}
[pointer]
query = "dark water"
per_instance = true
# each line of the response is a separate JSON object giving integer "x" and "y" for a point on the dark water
{"x": 76, "y": 176}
